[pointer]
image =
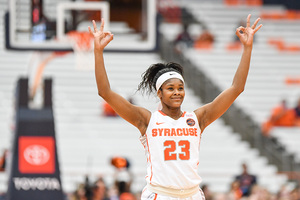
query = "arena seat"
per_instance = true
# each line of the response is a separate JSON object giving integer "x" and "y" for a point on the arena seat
{"x": 86, "y": 140}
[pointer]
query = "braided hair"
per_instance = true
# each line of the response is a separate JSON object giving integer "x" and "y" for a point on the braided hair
{"x": 150, "y": 76}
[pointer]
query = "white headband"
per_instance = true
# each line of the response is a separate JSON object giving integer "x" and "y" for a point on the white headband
{"x": 166, "y": 76}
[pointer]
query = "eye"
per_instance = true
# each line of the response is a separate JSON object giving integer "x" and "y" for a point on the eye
{"x": 170, "y": 88}
{"x": 181, "y": 88}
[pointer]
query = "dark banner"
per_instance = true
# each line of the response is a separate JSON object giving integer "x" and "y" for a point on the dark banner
{"x": 34, "y": 169}
{"x": 289, "y": 4}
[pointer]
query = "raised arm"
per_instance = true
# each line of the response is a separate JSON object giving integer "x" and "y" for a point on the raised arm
{"x": 137, "y": 116}
{"x": 212, "y": 111}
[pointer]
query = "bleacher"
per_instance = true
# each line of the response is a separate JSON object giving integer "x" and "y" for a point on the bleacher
{"x": 270, "y": 66}
{"x": 86, "y": 140}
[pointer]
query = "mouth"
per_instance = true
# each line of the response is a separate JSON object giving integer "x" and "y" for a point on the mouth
{"x": 177, "y": 98}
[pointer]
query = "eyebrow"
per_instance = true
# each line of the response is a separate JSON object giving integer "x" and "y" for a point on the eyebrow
{"x": 171, "y": 84}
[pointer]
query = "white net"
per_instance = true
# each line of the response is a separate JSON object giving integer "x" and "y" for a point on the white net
{"x": 83, "y": 51}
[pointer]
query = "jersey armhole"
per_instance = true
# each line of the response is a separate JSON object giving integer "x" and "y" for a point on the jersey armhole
{"x": 196, "y": 118}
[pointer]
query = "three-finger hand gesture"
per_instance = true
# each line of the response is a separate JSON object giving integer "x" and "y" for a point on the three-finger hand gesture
{"x": 246, "y": 34}
{"x": 101, "y": 37}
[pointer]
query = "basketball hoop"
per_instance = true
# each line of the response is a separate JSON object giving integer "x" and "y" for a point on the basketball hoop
{"x": 83, "y": 51}
{"x": 82, "y": 46}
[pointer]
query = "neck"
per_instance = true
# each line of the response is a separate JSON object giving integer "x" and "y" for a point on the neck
{"x": 173, "y": 113}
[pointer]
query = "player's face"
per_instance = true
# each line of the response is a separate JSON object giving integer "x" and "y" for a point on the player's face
{"x": 172, "y": 93}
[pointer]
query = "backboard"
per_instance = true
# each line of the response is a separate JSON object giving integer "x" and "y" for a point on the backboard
{"x": 42, "y": 25}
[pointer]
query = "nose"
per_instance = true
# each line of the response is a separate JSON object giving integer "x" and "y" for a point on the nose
{"x": 176, "y": 91}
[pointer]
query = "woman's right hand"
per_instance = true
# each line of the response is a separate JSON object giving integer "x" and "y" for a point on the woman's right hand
{"x": 101, "y": 38}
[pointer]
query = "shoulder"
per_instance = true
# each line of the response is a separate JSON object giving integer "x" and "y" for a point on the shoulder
{"x": 143, "y": 121}
{"x": 200, "y": 112}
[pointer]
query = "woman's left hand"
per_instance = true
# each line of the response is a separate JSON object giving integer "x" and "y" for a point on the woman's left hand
{"x": 246, "y": 34}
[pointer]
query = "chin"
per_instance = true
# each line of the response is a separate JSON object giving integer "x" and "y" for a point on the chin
{"x": 177, "y": 105}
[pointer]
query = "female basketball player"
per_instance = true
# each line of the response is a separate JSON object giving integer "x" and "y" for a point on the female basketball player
{"x": 171, "y": 137}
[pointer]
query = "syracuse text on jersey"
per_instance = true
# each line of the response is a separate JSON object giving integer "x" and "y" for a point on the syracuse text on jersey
{"x": 174, "y": 132}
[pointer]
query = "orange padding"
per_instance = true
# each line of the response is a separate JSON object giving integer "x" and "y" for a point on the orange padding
{"x": 281, "y": 45}
{"x": 291, "y": 80}
{"x": 234, "y": 46}
{"x": 232, "y": 2}
{"x": 254, "y": 2}
{"x": 241, "y": 2}
{"x": 203, "y": 45}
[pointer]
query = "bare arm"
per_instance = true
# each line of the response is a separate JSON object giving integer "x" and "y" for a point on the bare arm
{"x": 135, "y": 115}
{"x": 212, "y": 111}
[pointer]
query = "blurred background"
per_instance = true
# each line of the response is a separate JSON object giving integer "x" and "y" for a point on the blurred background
{"x": 49, "y": 100}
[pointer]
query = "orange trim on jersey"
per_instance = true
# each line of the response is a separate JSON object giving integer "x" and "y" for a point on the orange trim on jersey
{"x": 155, "y": 196}
{"x": 149, "y": 158}
{"x": 143, "y": 144}
{"x": 161, "y": 112}
{"x": 144, "y": 190}
{"x": 183, "y": 114}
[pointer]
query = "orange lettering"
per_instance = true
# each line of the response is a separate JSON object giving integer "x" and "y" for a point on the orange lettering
{"x": 160, "y": 130}
{"x": 169, "y": 150}
{"x": 173, "y": 132}
{"x": 154, "y": 132}
{"x": 167, "y": 132}
{"x": 191, "y": 131}
{"x": 195, "y": 131}
{"x": 179, "y": 132}
{"x": 186, "y": 132}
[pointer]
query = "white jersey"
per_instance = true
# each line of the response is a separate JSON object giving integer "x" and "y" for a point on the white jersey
{"x": 172, "y": 150}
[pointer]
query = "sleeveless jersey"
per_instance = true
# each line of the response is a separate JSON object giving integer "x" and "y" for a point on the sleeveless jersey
{"x": 172, "y": 150}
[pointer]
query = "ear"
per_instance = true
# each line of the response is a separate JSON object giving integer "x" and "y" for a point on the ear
{"x": 159, "y": 93}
